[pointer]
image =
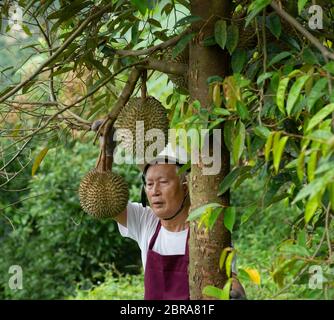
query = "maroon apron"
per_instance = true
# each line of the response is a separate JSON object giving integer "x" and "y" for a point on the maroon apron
{"x": 166, "y": 277}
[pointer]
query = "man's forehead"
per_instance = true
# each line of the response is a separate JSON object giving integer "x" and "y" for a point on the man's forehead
{"x": 162, "y": 169}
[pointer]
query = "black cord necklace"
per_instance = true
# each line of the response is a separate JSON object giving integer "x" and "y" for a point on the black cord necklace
{"x": 180, "y": 209}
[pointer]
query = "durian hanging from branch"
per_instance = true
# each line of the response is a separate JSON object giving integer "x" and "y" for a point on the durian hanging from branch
{"x": 136, "y": 123}
{"x": 103, "y": 193}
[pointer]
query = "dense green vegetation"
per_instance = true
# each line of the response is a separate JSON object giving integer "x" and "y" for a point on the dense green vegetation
{"x": 57, "y": 245}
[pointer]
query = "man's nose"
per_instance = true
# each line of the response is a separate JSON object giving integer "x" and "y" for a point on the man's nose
{"x": 155, "y": 189}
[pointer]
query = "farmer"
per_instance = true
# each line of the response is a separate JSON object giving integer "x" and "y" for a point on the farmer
{"x": 162, "y": 231}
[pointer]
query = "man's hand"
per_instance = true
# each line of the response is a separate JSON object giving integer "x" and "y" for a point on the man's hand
{"x": 237, "y": 291}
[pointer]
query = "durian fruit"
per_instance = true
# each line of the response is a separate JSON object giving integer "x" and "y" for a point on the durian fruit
{"x": 146, "y": 114}
{"x": 103, "y": 194}
{"x": 180, "y": 82}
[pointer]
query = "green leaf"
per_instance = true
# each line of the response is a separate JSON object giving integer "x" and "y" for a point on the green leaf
{"x": 154, "y": 22}
{"x": 229, "y": 218}
{"x": 324, "y": 167}
{"x": 279, "y": 57}
{"x": 262, "y": 132}
{"x": 311, "y": 207}
{"x": 278, "y": 148}
{"x": 311, "y": 165}
{"x": 274, "y": 25}
{"x": 229, "y": 134}
{"x": 241, "y": 179}
{"x": 182, "y": 44}
{"x": 228, "y": 263}
{"x": 239, "y": 142}
{"x": 231, "y": 178}
{"x": 316, "y": 93}
{"x": 26, "y": 30}
{"x": 320, "y": 115}
{"x": 186, "y": 20}
{"x": 221, "y": 33}
{"x": 263, "y": 77}
{"x": 135, "y": 33}
{"x": 220, "y": 112}
{"x": 313, "y": 187}
{"x": 213, "y": 79}
{"x": 248, "y": 213}
{"x": 268, "y": 146}
{"x": 223, "y": 256}
{"x": 38, "y": 160}
{"x": 242, "y": 110}
{"x": 320, "y": 135}
{"x": 277, "y": 275}
{"x": 300, "y": 166}
{"x": 213, "y": 216}
{"x": 255, "y": 7}
{"x": 301, "y": 238}
{"x": 280, "y": 96}
{"x": 201, "y": 210}
{"x": 227, "y": 290}
{"x": 215, "y": 123}
{"x": 232, "y": 38}
{"x": 68, "y": 11}
{"x": 239, "y": 58}
{"x": 217, "y": 293}
{"x": 301, "y": 5}
{"x": 140, "y": 5}
{"x": 309, "y": 57}
{"x": 329, "y": 67}
{"x": 295, "y": 92}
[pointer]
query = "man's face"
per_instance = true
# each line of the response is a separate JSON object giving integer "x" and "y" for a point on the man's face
{"x": 164, "y": 190}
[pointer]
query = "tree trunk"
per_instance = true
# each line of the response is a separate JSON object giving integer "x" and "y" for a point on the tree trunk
{"x": 205, "y": 248}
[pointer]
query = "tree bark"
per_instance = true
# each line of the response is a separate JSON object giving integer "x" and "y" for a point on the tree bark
{"x": 205, "y": 247}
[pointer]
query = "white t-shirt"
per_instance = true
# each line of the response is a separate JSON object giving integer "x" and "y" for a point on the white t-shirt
{"x": 141, "y": 226}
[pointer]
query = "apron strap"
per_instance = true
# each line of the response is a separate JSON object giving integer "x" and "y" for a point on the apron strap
{"x": 155, "y": 235}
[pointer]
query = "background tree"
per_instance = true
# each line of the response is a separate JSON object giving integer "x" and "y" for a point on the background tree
{"x": 256, "y": 69}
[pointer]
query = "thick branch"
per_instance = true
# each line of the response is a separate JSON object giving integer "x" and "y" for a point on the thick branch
{"x": 126, "y": 93}
{"x": 324, "y": 51}
{"x": 166, "y": 66}
{"x": 68, "y": 41}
